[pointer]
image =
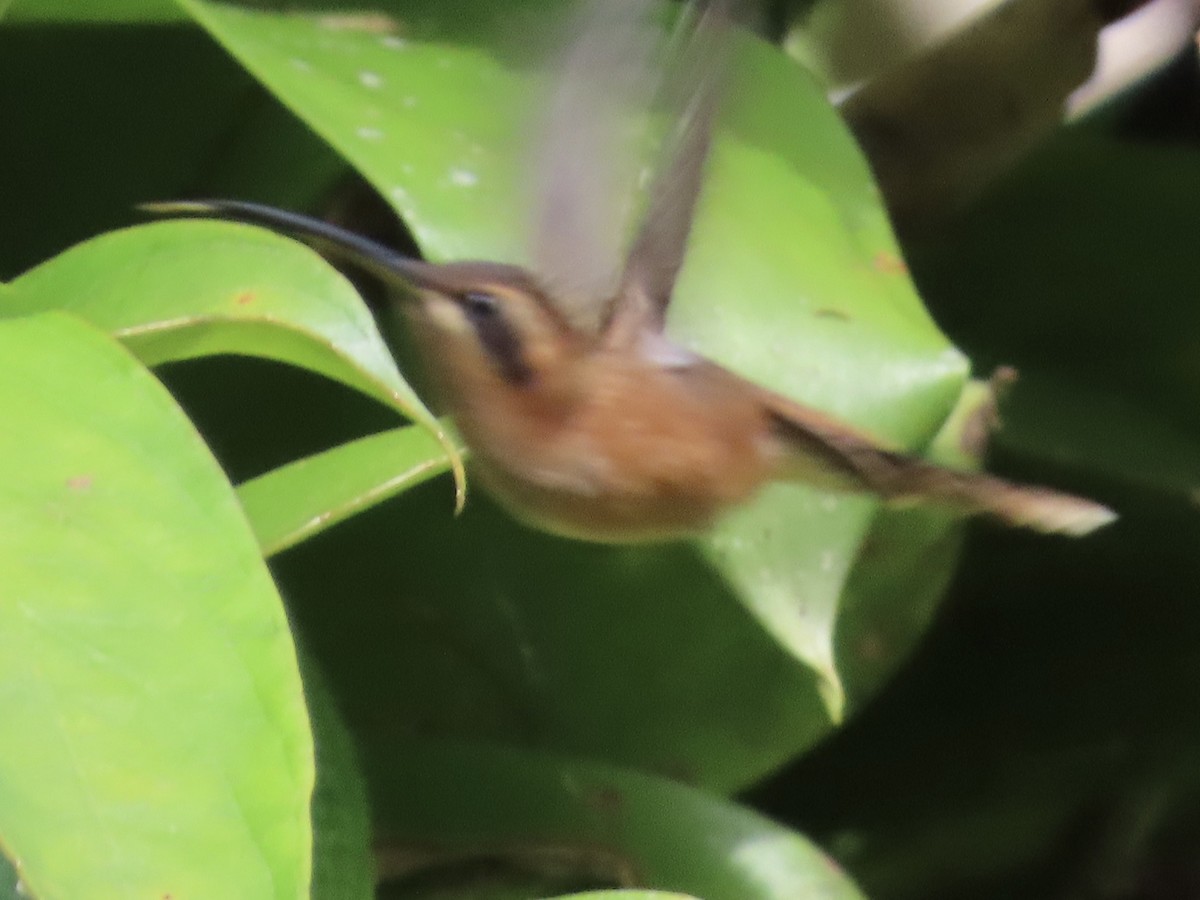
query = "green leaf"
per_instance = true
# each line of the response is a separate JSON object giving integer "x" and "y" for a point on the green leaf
{"x": 180, "y": 290}
{"x": 154, "y": 716}
{"x": 443, "y": 810}
{"x": 910, "y": 554}
{"x": 290, "y": 504}
{"x": 793, "y": 276}
{"x": 72, "y": 12}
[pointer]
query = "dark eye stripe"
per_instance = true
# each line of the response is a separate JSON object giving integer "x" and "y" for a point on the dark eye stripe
{"x": 497, "y": 336}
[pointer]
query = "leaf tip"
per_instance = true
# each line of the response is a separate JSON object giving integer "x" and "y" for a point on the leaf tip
{"x": 454, "y": 454}
{"x": 833, "y": 695}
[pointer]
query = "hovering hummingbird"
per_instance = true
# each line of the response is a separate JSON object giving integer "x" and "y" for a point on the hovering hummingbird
{"x": 582, "y": 416}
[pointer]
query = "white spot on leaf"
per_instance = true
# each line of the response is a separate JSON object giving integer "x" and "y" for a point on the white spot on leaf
{"x": 370, "y": 80}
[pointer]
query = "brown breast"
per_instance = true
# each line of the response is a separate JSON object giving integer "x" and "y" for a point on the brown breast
{"x": 644, "y": 453}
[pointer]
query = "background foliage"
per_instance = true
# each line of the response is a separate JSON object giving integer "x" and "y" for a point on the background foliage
{"x": 524, "y": 716}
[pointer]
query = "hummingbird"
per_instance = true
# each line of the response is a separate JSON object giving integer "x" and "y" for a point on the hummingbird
{"x": 582, "y": 416}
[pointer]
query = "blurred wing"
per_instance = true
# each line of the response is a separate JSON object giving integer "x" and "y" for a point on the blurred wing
{"x": 586, "y": 161}
{"x": 656, "y": 256}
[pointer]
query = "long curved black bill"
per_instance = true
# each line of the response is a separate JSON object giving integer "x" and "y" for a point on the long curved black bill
{"x": 383, "y": 262}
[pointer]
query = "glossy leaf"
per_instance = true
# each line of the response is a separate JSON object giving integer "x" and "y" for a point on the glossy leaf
{"x": 446, "y": 808}
{"x": 180, "y": 290}
{"x": 793, "y": 277}
{"x": 290, "y": 504}
{"x": 154, "y": 716}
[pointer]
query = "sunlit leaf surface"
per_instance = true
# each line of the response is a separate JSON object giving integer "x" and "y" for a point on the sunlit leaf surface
{"x": 153, "y": 713}
{"x": 181, "y": 290}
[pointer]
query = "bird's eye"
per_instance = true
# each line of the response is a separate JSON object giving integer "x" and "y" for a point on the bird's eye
{"x": 479, "y": 306}
{"x": 496, "y": 335}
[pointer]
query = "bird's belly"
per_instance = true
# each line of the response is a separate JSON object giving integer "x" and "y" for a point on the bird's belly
{"x": 629, "y": 494}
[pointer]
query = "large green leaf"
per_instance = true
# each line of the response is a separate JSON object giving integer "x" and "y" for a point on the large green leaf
{"x": 180, "y": 290}
{"x": 156, "y": 740}
{"x": 793, "y": 278}
{"x": 443, "y": 809}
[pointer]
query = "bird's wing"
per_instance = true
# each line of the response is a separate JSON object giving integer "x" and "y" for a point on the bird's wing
{"x": 655, "y": 258}
{"x": 586, "y": 158}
